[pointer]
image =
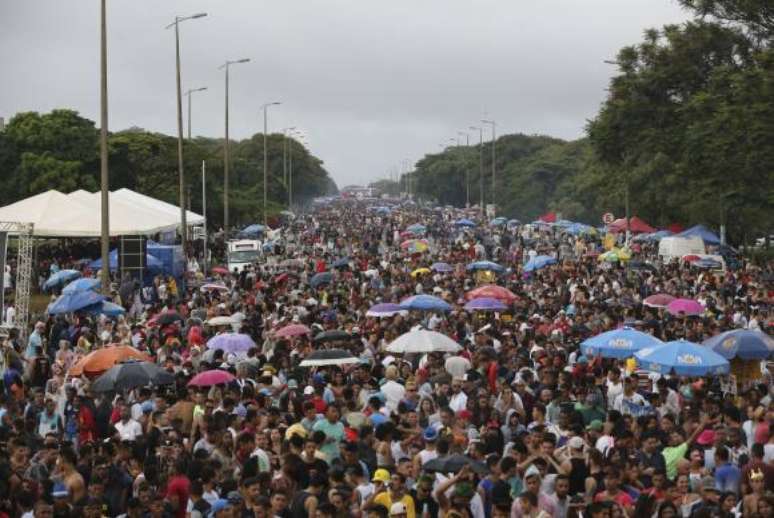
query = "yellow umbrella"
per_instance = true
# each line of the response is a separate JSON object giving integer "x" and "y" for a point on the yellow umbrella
{"x": 420, "y": 271}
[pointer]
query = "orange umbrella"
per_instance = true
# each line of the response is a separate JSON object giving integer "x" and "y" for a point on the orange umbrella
{"x": 99, "y": 361}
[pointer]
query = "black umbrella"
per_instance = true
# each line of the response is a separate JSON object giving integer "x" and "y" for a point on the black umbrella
{"x": 169, "y": 317}
{"x": 132, "y": 374}
{"x": 325, "y": 357}
{"x": 331, "y": 336}
{"x": 640, "y": 265}
{"x": 453, "y": 464}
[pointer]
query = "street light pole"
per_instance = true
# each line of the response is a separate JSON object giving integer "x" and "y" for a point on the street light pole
{"x": 204, "y": 214}
{"x": 467, "y": 171}
{"x": 480, "y": 163}
{"x": 103, "y": 155}
{"x": 226, "y": 146}
{"x": 494, "y": 187}
{"x": 181, "y": 173}
{"x": 265, "y": 159}
{"x": 188, "y": 94}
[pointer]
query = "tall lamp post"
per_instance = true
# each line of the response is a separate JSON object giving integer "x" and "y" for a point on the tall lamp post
{"x": 285, "y": 132}
{"x": 226, "y": 65}
{"x": 480, "y": 164}
{"x": 181, "y": 174}
{"x": 494, "y": 140}
{"x": 103, "y": 155}
{"x": 467, "y": 171}
{"x": 188, "y": 94}
{"x": 265, "y": 109}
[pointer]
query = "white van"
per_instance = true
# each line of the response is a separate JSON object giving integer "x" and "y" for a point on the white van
{"x": 676, "y": 247}
{"x": 242, "y": 252}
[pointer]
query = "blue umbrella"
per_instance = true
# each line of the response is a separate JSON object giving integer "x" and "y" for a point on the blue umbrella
{"x": 383, "y": 210}
{"x": 84, "y": 284}
{"x": 485, "y": 265}
{"x": 442, "y": 267}
{"x": 619, "y": 343}
{"x": 106, "y": 308}
{"x": 320, "y": 279}
{"x": 60, "y": 277}
{"x": 707, "y": 263}
{"x": 341, "y": 263}
{"x": 498, "y": 221}
{"x": 416, "y": 228}
{"x": 538, "y": 262}
{"x": 485, "y": 304}
{"x": 464, "y": 222}
{"x": 252, "y": 231}
{"x": 742, "y": 343}
{"x": 683, "y": 358}
{"x": 425, "y": 303}
{"x": 71, "y": 302}
{"x": 386, "y": 309}
{"x": 513, "y": 222}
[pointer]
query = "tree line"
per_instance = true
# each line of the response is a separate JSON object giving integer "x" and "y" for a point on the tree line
{"x": 60, "y": 150}
{"x": 686, "y": 135}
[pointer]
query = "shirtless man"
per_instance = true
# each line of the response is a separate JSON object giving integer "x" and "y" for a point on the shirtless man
{"x": 70, "y": 476}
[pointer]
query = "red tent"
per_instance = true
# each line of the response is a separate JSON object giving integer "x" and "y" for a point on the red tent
{"x": 636, "y": 226}
{"x": 675, "y": 228}
{"x": 548, "y": 217}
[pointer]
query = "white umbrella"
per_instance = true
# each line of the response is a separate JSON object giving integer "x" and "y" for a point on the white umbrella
{"x": 221, "y": 321}
{"x": 423, "y": 341}
{"x": 324, "y": 357}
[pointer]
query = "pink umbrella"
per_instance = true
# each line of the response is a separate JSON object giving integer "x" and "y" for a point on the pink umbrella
{"x": 210, "y": 378}
{"x": 293, "y": 330}
{"x": 660, "y": 300}
{"x": 685, "y": 306}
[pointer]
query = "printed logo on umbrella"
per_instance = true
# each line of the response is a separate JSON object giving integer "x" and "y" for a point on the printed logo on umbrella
{"x": 646, "y": 352}
{"x": 728, "y": 343}
{"x": 689, "y": 359}
{"x": 620, "y": 343}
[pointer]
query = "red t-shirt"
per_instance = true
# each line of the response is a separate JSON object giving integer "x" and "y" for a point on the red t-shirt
{"x": 179, "y": 486}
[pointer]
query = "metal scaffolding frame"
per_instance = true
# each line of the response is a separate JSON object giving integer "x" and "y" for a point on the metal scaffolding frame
{"x": 23, "y": 232}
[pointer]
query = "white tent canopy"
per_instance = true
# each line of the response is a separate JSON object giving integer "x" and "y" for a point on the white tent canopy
{"x": 78, "y": 214}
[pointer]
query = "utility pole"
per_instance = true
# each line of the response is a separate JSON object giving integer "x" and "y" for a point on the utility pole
{"x": 181, "y": 174}
{"x": 103, "y": 156}
{"x": 494, "y": 140}
{"x": 204, "y": 214}
{"x": 467, "y": 171}
{"x": 266, "y": 161}
{"x": 480, "y": 164}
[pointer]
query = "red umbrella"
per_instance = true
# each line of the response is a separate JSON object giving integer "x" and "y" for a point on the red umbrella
{"x": 281, "y": 278}
{"x": 691, "y": 258}
{"x": 210, "y": 378}
{"x": 492, "y": 291}
{"x": 221, "y": 270}
{"x": 660, "y": 300}
{"x": 293, "y": 330}
{"x": 688, "y": 307}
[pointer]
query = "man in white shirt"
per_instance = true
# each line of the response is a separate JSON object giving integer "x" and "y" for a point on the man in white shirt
{"x": 629, "y": 400}
{"x": 614, "y": 386}
{"x": 128, "y": 429}
{"x": 458, "y": 400}
{"x": 392, "y": 390}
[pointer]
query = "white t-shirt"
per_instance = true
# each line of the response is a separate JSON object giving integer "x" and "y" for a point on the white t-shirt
{"x": 129, "y": 431}
{"x": 613, "y": 391}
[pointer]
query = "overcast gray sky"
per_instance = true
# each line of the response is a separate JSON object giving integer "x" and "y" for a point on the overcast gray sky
{"x": 370, "y": 82}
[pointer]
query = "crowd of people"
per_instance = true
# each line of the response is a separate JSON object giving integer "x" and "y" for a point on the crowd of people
{"x": 527, "y": 425}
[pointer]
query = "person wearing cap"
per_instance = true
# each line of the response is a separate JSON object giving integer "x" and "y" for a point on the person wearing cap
{"x": 429, "y": 452}
{"x": 462, "y": 494}
{"x": 710, "y": 498}
{"x": 390, "y": 489}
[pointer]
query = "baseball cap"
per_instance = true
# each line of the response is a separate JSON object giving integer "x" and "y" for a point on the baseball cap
{"x": 595, "y": 425}
{"x": 381, "y": 475}
{"x": 398, "y": 508}
{"x": 430, "y": 434}
{"x": 308, "y": 390}
{"x": 217, "y": 506}
{"x": 576, "y": 443}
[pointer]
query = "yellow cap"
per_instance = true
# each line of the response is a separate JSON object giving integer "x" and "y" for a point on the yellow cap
{"x": 381, "y": 475}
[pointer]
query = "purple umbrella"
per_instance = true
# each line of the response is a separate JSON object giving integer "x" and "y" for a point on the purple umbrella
{"x": 386, "y": 309}
{"x": 485, "y": 304}
{"x": 688, "y": 307}
{"x": 442, "y": 267}
{"x": 231, "y": 343}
